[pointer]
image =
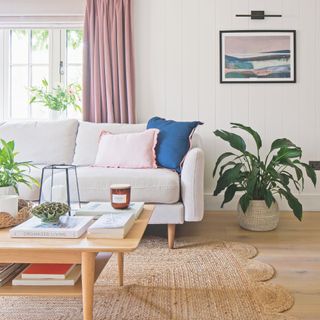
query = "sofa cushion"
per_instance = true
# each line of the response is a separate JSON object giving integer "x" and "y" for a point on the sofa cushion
{"x": 127, "y": 150}
{"x": 174, "y": 141}
{"x": 88, "y": 139}
{"x": 42, "y": 142}
{"x": 148, "y": 185}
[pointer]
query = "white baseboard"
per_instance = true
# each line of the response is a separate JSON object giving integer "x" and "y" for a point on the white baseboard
{"x": 310, "y": 202}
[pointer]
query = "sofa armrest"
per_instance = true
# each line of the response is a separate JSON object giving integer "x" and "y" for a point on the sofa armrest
{"x": 192, "y": 181}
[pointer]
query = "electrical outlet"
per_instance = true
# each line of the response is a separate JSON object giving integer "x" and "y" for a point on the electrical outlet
{"x": 315, "y": 165}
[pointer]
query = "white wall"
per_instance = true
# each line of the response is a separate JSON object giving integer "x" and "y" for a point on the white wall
{"x": 177, "y": 74}
{"x": 44, "y": 13}
{"x": 41, "y": 7}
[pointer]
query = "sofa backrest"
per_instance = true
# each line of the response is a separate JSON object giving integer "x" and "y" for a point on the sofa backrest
{"x": 42, "y": 142}
{"x": 63, "y": 141}
{"x": 88, "y": 139}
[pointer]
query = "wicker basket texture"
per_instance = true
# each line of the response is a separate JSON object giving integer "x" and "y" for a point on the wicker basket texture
{"x": 7, "y": 220}
{"x": 258, "y": 216}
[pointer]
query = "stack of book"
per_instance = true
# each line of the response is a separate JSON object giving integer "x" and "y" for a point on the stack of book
{"x": 42, "y": 274}
{"x": 8, "y": 271}
{"x": 68, "y": 227}
{"x": 97, "y": 209}
{"x": 111, "y": 223}
{"x": 112, "y": 226}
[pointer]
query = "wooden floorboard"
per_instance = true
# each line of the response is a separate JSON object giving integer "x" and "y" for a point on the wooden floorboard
{"x": 293, "y": 249}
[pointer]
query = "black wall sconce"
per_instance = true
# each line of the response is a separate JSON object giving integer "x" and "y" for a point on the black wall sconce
{"x": 259, "y": 15}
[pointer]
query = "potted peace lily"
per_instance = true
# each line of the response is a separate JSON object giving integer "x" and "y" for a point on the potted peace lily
{"x": 58, "y": 100}
{"x": 12, "y": 172}
{"x": 260, "y": 180}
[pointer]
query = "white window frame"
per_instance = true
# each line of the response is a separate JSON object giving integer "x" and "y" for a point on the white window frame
{"x": 57, "y": 55}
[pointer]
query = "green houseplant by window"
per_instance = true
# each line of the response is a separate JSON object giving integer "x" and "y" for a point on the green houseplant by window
{"x": 260, "y": 179}
{"x": 12, "y": 172}
{"x": 58, "y": 99}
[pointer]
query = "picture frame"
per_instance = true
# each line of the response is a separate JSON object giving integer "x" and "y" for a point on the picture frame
{"x": 258, "y": 56}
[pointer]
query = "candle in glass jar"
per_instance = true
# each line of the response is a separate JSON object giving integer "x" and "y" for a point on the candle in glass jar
{"x": 120, "y": 196}
{"x": 59, "y": 193}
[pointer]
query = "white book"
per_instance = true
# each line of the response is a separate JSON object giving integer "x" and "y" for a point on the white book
{"x": 68, "y": 227}
{"x": 98, "y": 209}
{"x": 111, "y": 226}
{"x": 70, "y": 280}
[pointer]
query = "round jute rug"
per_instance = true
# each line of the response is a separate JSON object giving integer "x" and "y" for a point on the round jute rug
{"x": 208, "y": 280}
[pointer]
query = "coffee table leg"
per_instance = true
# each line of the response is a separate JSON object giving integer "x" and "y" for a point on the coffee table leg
{"x": 87, "y": 273}
{"x": 120, "y": 267}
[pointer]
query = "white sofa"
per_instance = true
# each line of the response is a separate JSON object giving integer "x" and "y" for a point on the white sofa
{"x": 177, "y": 198}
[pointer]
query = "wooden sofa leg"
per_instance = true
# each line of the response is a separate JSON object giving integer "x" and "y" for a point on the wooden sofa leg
{"x": 171, "y": 235}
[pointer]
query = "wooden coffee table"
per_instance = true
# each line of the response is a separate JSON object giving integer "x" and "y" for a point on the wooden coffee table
{"x": 92, "y": 254}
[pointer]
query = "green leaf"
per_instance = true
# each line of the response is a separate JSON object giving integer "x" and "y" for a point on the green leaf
{"x": 234, "y": 140}
{"x": 229, "y": 194}
{"x": 299, "y": 173}
{"x": 291, "y": 177}
{"x": 285, "y": 152}
{"x": 252, "y": 181}
{"x": 228, "y": 177}
{"x": 293, "y": 203}
{"x": 284, "y": 178}
{"x": 11, "y": 172}
{"x": 280, "y": 143}
{"x": 254, "y": 134}
{"x": 244, "y": 202}
{"x": 32, "y": 100}
{"x": 10, "y": 145}
{"x": 310, "y": 172}
{"x": 229, "y": 163}
{"x": 44, "y": 82}
{"x": 222, "y": 157}
{"x": 268, "y": 198}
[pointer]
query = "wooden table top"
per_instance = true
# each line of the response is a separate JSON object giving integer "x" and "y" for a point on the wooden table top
{"x": 129, "y": 243}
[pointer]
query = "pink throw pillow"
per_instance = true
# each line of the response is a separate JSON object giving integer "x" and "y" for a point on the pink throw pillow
{"x": 127, "y": 150}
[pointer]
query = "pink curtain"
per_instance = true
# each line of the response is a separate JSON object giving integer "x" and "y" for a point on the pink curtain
{"x": 108, "y": 77}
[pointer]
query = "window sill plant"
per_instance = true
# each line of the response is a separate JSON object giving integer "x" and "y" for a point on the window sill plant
{"x": 58, "y": 100}
{"x": 260, "y": 180}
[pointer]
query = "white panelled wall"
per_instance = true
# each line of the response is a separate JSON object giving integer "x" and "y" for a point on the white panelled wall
{"x": 177, "y": 75}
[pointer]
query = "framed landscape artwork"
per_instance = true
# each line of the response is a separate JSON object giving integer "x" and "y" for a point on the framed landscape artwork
{"x": 257, "y": 56}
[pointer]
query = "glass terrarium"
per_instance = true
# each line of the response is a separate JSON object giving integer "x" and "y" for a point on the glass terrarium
{"x": 59, "y": 183}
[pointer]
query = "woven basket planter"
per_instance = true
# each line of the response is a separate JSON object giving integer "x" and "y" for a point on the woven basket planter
{"x": 7, "y": 220}
{"x": 258, "y": 216}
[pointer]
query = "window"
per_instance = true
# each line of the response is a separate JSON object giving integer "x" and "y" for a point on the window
{"x": 30, "y": 55}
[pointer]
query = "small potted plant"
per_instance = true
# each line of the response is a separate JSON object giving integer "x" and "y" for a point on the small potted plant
{"x": 50, "y": 212}
{"x": 58, "y": 100}
{"x": 12, "y": 172}
{"x": 259, "y": 180}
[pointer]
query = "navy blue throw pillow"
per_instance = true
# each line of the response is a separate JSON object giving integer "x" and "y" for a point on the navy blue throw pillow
{"x": 173, "y": 141}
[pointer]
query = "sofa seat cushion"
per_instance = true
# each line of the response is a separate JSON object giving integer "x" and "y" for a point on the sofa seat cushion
{"x": 42, "y": 142}
{"x": 148, "y": 185}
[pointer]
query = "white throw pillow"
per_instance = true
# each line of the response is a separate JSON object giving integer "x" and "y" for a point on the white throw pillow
{"x": 128, "y": 150}
{"x": 88, "y": 139}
